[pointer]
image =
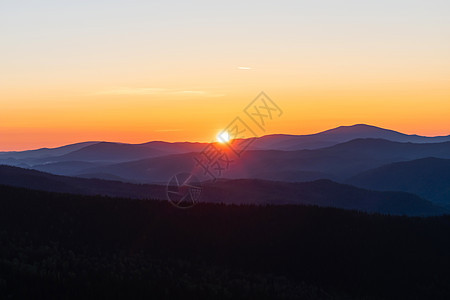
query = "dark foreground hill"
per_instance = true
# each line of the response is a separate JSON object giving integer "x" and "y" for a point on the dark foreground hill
{"x": 61, "y": 246}
{"x": 325, "y": 193}
{"x": 245, "y": 191}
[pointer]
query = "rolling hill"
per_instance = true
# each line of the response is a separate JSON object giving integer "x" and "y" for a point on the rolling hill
{"x": 338, "y": 162}
{"x": 251, "y": 191}
{"x": 73, "y": 158}
{"x": 427, "y": 177}
{"x": 324, "y": 193}
{"x": 32, "y": 179}
{"x": 45, "y": 152}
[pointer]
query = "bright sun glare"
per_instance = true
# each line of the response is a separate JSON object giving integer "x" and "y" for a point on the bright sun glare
{"x": 223, "y": 137}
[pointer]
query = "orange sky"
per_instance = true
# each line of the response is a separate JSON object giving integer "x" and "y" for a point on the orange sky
{"x": 141, "y": 118}
{"x": 178, "y": 72}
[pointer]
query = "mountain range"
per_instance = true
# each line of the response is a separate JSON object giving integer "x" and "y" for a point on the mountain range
{"x": 338, "y": 162}
{"x": 361, "y": 155}
{"x": 92, "y": 150}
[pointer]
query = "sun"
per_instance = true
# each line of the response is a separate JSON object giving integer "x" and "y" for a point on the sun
{"x": 223, "y": 137}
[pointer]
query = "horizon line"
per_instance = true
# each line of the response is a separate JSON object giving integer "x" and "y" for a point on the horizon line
{"x": 272, "y": 134}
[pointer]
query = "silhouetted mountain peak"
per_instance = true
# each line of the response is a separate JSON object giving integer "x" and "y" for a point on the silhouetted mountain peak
{"x": 361, "y": 131}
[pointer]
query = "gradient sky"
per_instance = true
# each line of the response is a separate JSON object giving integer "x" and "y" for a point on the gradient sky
{"x": 135, "y": 71}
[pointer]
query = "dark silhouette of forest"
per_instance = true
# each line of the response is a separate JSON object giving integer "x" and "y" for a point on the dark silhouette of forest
{"x": 66, "y": 246}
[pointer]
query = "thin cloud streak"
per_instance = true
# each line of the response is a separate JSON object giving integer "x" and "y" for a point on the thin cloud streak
{"x": 156, "y": 91}
{"x": 168, "y": 130}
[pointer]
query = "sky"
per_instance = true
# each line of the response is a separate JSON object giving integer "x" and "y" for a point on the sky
{"x": 136, "y": 71}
